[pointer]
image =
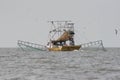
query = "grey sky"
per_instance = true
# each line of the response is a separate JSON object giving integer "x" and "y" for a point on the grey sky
{"x": 27, "y": 20}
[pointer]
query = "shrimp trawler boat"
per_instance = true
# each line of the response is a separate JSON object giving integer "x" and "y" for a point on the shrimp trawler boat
{"x": 61, "y": 36}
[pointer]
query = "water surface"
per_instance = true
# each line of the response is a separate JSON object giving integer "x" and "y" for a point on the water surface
{"x": 16, "y": 64}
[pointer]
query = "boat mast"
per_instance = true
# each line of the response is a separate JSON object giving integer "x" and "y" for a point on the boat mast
{"x": 58, "y": 27}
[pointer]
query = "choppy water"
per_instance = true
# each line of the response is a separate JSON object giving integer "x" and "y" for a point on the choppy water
{"x": 42, "y": 65}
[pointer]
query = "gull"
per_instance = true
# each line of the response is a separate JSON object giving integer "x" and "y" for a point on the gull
{"x": 116, "y": 31}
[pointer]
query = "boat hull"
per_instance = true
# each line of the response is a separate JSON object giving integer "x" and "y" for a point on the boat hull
{"x": 65, "y": 48}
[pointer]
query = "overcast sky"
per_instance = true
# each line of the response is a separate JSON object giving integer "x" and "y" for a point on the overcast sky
{"x": 27, "y": 20}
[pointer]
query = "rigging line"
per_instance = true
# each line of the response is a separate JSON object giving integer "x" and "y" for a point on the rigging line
{"x": 54, "y": 34}
{"x": 59, "y": 25}
{"x": 65, "y": 24}
{"x": 52, "y": 22}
